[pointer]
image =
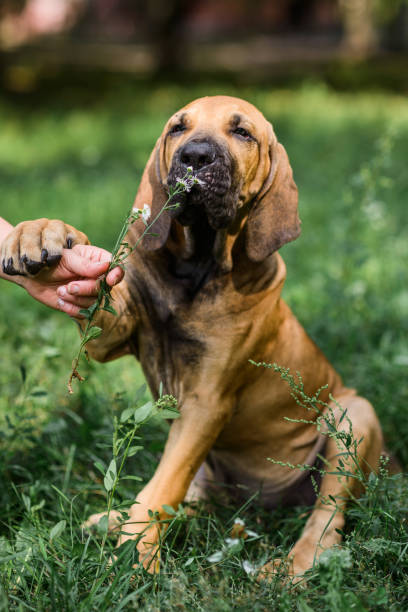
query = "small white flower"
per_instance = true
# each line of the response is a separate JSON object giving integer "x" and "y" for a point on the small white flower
{"x": 187, "y": 182}
{"x": 146, "y": 213}
{"x": 239, "y": 521}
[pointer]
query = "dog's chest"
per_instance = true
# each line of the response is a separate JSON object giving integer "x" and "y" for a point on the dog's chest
{"x": 176, "y": 330}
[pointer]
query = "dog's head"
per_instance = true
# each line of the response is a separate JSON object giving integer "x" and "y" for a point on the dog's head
{"x": 244, "y": 174}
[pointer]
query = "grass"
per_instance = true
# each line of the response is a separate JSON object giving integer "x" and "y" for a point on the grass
{"x": 346, "y": 283}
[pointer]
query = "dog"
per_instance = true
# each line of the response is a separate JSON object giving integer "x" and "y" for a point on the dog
{"x": 200, "y": 299}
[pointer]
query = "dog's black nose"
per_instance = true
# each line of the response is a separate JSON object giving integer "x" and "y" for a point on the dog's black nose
{"x": 197, "y": 154}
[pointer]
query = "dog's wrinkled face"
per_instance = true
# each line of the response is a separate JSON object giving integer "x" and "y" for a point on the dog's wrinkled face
{"x": 235, "y": 154}
{"x": 225, "y": 141}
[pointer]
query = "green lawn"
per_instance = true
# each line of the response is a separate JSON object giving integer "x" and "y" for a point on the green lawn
{"x": 80, "y": 160}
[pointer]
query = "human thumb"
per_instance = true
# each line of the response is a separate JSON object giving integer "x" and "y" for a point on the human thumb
{"x": 83, "y": 266}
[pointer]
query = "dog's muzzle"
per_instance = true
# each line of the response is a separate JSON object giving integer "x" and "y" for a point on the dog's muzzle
{"x": 215, "y": 195}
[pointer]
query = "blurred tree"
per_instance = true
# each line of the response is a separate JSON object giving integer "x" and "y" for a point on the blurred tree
{"x": 159, "y": 22}
{"x": 360, "y": 36}
{"x": 165, "y": 27}
{"x": 361, "y": 20}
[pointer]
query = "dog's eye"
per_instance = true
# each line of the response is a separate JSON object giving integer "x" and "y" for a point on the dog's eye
{"x": 179, "y": 127}
{"x": 240, "y": 131}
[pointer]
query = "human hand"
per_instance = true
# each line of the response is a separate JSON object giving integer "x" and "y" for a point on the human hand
{"x": 32, "y": 246}
{"x": 73, "y": 283}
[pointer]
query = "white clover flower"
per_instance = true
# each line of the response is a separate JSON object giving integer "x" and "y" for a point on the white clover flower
{"x": 146, "y": 213}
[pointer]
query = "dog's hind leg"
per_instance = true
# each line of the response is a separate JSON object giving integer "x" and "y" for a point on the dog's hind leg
{"x": 351, "y": 454}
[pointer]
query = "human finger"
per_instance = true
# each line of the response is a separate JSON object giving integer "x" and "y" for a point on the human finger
{"x": 84, "y": 288}
{"x": 69, "y": 309}
{"x": 115, "y": 276}
{"x": 91, "y": 252}
{"x": 82, "y": 302}
{"x": 81, "y": 265}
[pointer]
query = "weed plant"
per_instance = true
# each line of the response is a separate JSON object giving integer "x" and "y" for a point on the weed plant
{"x": 120, "y": 253}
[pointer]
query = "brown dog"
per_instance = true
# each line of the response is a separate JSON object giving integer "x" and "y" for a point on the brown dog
{"x": 200, "y": 299}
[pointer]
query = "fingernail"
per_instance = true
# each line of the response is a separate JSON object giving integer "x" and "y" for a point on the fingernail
{"x": 61, "y": 291}
{"x": 61, "y": 303}
{"x": 74, "y": 289}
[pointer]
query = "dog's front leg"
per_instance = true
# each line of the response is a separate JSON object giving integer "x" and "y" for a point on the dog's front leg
{"x": 190, "y": 439}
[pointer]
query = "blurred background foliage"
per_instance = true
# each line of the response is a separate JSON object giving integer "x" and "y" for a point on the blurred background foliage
{"x": 346, "y": 41}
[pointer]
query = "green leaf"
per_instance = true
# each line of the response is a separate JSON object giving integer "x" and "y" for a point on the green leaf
{"x": 110, "y": 476}
{"x": 142, "y": 413}
{"x": 169, "y": 414}
{"x": 169, "y": 510}
{"x": 107, "y": 305}
{"x": 126, "y": 414}
{"x": 89, "y": 312}
{"x": 93, "y": 333}
{"x": 110, "y": 309}
{"x": 42, "y": 548}
{"x": 103, "y": 524}
{"x": 57, "y": 530}
{"x": 133, "y": 450}
{"x": 130, "y": 477}
{"x": 99, "y": 467}
{"x": 27, "y": 502}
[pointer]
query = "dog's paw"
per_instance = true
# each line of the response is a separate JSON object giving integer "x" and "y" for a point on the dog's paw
{"x": 34, "y": 245}
{"x": 149, "y": 557}
{"x": 287, "y": 570}
{"x": 115, "y": 521}
{"x": 148, "y": 547}
{"x": 278, "y": 569}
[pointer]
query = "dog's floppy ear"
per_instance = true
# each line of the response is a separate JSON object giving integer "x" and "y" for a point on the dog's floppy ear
{"x": 153, "y": 193}
{"x": 273, "y": 219}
